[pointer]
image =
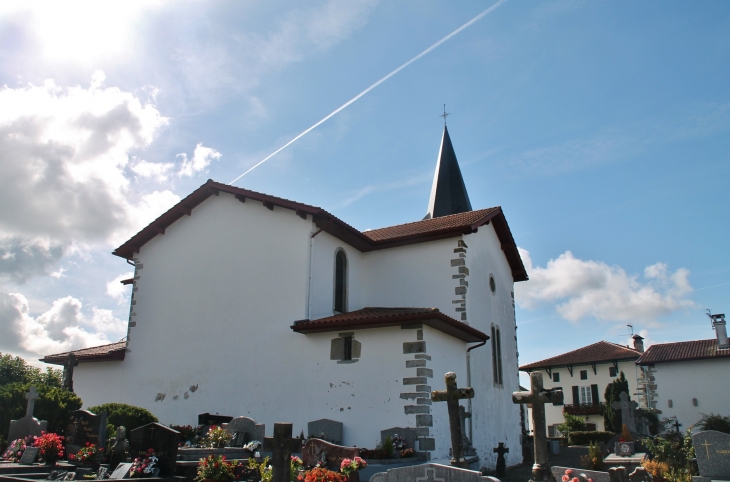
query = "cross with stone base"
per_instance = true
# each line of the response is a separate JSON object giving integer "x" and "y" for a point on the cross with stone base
{"x": 538, "y": 397}
{"x": 281, "y": 446}
{"x": 451, "y": 396}
{"x": 31, "y": 396}
{"x": 627, "y": 408}
{"x": 501, "y": 463}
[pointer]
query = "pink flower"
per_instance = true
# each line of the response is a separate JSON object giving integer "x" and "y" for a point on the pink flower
{"x": 574, "y": 479}
{"x": 565, "y": 478}
{"x": 569, "y": 472}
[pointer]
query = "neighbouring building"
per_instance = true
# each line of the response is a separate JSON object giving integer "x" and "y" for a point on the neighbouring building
{"x": 687, "y": 379}
{"x": 249, "y": 304}
{"x": 583, "y": 375}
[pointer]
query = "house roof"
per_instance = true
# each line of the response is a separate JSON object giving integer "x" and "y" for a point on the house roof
{"x": 383, "y": 317}
{"x": 113, "y": 351}
{"x": 602, "y": 351}
{"x": 448, "y": 193}
{"x": 683, "y": 351}
{"x": 390, "y": 237}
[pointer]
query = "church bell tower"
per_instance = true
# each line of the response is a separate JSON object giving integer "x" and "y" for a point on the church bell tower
{"x": 448, "y": 193}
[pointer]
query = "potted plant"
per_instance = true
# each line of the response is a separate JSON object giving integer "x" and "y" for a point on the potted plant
{"x": 145, "y": 466}
{"x": 351, "y": 468}
{"x": 321, "y": 474}
{"x": 216, "y": 467}
{"x": 51, "y": 447}
{"x": 88, "y": 456}
{"x": 217, "y": 437}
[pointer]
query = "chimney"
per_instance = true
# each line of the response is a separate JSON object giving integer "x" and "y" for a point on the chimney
{"x": 718, "y": 324}
{"x": 638, "y": 343}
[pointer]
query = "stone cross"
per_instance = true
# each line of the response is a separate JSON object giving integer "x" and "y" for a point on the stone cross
{"x": 538, "y": 397}
{"x": 68, "y": 372}
{"x": 31, "y": 396}
{"x": 281, "y": 445}
{"x": 451, "y": 396}
{"x": 501, "y": 463}
{"x": 627, "y": 408}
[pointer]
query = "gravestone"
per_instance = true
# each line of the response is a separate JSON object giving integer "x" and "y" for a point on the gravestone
{"x": 281, "y": 445}
{"x": 331, "y": 455}
{"x": 163, "y": 440}
{"x": 538, "y": 397}
{"x": 501, "y": 463}
{"x": 451, "y": 396}
{"x": 213, "y": 419}
{"x": 30, "y": 454}
{"x": 326, "y": 429}
{"x": 244, "y": 430}
{"x": 628, "y": 409}
{"x": 27, "y": 425}
{"x": 466, "y": 443}
{"x": 85, "y": 427}
{"x": 712, "y": 450}
{"x": 431, "y": 473}
{"x": 122, "y": 471}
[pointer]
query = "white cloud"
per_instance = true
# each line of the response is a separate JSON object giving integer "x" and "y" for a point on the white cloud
{"x": 21, "y": 259}
{"x": 117, "y": 290}
{"x": 62, "y": 328}
{"x": 584, "y": 289}
{"x": 158, "y": 171}
{"x": 202, "y": 157}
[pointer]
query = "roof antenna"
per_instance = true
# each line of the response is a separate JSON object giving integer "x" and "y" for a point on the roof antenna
{"x": 445, "y": 115}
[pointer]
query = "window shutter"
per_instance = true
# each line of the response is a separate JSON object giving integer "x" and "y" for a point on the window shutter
{"x": 561, "y": 403}
{"x": 337, "y": 349}
{"x": 355, "y": 349}
{"x": 576, "y": 395}
{"x": 594, "y": 394}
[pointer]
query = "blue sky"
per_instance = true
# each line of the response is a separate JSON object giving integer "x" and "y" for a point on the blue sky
{"x": 601, "y": 128}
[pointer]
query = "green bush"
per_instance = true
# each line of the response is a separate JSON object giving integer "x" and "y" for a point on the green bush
{"x": 129, "y": 416}
{"x": 585, "y": 438}
{"x": 612, "y": 418}
{"x": 16, "y": 370}
{"x": 715, "y": 422}
{"x": 572, "y": 424}
{"x": 54, "y": 404}
{"x": 677, "y": 452}
{"x": 388, "y": 446}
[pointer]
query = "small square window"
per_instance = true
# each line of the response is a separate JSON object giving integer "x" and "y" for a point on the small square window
{"x": 612, "y": 371}
{"x": 556, "y": 377}
{"x": 584, "y": 374}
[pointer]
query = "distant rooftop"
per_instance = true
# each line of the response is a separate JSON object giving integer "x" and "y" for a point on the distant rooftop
{"x": 600, "y": 352}
{"x": 683, "y": 351}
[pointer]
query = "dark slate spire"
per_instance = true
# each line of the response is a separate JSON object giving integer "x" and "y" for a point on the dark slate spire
{"x": 448, "y": 194}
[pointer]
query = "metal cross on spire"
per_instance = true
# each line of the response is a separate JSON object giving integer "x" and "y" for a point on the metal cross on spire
{"x": 445, "y": 115}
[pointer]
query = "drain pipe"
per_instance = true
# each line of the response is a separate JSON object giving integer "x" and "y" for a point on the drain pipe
{"x": 468, "y": 384}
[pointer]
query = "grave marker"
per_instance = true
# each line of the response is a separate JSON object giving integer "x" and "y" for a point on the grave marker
{"x": 163, "y": 440}
{"x": 244, "y": 430}
{"x": 712, "y": 450}
{"x": 451, "y": 396}
{"x": 332, "y": 430}
{"x": 27, "y": 425}
{"x": 628, "y": 408}
{"x": 30, "y": 454}
{"x": 85, "y": 427}
{"x": 431, "y": 473}
{"x": 316, "y": 450}
{"x": 538, "y": 397}
{"x": 281, "y": 445}
{"x": 501, "y": 463}
{"x": 122, "y": 471}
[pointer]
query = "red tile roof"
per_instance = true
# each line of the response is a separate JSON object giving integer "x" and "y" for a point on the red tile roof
{"x": 382, "y": 317}
{"x": 602, "y": 351}
{"x": 113, "y": 351}
{"x": 389, "y": 237}
{"x": 682, "y": 351}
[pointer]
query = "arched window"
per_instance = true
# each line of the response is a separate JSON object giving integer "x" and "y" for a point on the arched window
{"x": 340, "y": 296}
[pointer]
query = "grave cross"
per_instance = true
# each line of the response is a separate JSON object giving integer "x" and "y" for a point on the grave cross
{"x": 68, "y": 372}
{"x": 281, "y": 446}
{"x": 538, "y": 397}
{"x": 501, "y": 463}
{"x": 31, "y": 396}
{"x": 627, "y": 408}
{"x": 451, "y": 396}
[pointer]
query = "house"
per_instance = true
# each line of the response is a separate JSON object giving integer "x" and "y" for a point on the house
{"x": 687, "y": 379}
{"x": 583, "y": 375}
{"x": 249, "y": 304}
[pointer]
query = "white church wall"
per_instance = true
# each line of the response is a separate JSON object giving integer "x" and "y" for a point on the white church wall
{"x": 683, "y": 382}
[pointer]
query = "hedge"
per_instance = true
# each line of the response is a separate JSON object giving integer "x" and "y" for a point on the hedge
{"x": 128, "y": 416}
{"x": 584, "y": 438}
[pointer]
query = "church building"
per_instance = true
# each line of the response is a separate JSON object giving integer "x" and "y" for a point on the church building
{"x": 246, "y": 304}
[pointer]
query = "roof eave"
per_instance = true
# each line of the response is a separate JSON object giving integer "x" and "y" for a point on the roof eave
{"x": 116, "y": 355}
{"x": 527, "y": 368}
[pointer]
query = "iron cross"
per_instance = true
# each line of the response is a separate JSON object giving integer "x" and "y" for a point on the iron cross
{"x": 445, "y": 115}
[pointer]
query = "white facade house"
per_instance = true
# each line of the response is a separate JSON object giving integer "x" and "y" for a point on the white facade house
{"x": 583, "y": 376}
{"x": 249, "y": 304}
{"x": 687, "y": 379}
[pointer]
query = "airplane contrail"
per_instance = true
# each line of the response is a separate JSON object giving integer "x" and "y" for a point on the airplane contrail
{"x": 467, "y": 24}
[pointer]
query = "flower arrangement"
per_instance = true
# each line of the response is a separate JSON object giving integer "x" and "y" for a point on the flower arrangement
{"x": 568, "y": 477}
{"x": 51, "y": 445}
{"x": 15, "y": 449}
{"x": 264, "y": 469}
{"x": 625, "y": 434}
{"x": 144, "y": 467}
{"x": 217, "y": 437}
{"x": 252, "y": 446}
{"x": 86, "y": 453}
{"x": 349, "y": 466}
{"x": 404, "y": 454}
{"x": 399, "y": 443}
{"x": 216, "y": 467}
{"x": 321, "y": 474}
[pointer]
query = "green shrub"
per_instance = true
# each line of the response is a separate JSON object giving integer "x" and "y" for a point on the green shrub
{"x": 388, "y": 446}
{"x": 594, "y": 459}
{"x": 129, "y": 416}
{"x": 612, "y": 418}
{"x": 715, "y": 422}
{"x": 585, "y": 438}
{"x": 677, "y": 452}
{"x": 54, "y": 404}
{"x": 572, "y": 424}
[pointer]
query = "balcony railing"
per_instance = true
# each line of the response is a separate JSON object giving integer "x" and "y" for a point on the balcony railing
{"x": 595, "y": 409}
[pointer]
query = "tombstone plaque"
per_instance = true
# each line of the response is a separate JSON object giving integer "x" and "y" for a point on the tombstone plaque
{"x": 163, "y": 440}
{"x": 85, "y": 427}
{"x": 316, "y": 450}
{"x": 245, "y": 430}
{"x": 29, "y": 456}
{"x": 122, "y": 471}
{"x": 326, "y": 429}
{"x": 712, "y": 449}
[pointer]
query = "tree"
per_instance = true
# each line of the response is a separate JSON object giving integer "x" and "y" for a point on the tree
{"x": 715, "y": 422}
{"x": 17, "y": 370}
{"x": 125, "y": 415}
{"x": 612, "y": 418}
{"x": 571, "y": 424}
